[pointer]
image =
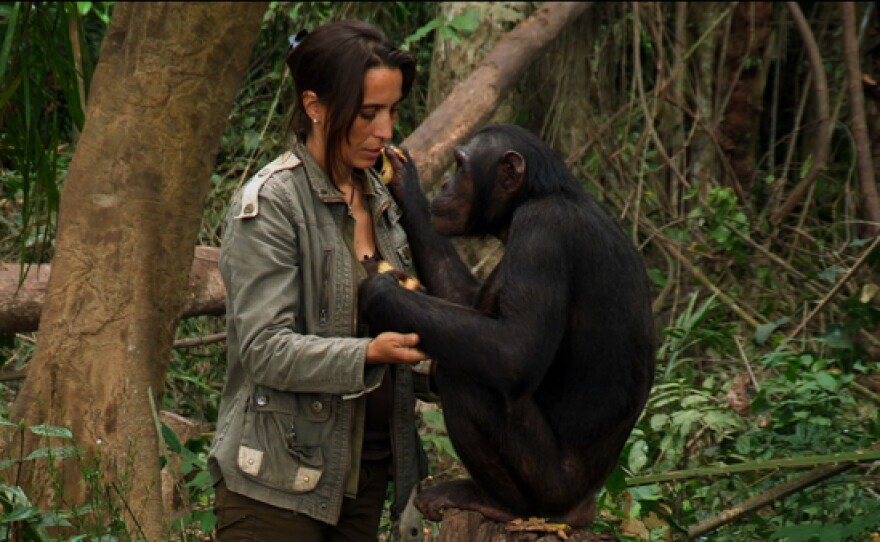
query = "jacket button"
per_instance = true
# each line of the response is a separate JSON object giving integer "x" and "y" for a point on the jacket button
{"x": 249, "y": 208}
{"x": 317, "y": 407}
{"x": 262, "y": 400}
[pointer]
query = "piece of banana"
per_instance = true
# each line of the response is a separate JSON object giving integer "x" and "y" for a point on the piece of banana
{"x": 387, "y": 172}
{"x": 410, "y": 283}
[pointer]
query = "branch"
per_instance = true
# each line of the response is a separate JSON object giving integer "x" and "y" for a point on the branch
{"x": 774, "y": 494}
{"x": 831, "y": 293}
{"x": 767, "y": 497}
{"x": 871, "y": 205}
{"x": 820, "y": 90}
{"x": 871, "y": 453}
{"x": 22, "y": 298}
{"x": 473, "y": 101}
{"x": 672, "y": 248}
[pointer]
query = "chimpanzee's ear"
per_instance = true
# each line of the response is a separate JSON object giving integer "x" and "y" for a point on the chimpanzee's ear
{"x": 512, "y": 171}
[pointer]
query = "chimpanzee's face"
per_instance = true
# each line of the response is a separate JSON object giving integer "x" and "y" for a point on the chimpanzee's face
{"x": 480, "y": 196}
{"x": 453, "y": 208}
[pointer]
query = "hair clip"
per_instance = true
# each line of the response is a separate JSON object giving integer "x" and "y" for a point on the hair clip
{"x": 296, "y": 39}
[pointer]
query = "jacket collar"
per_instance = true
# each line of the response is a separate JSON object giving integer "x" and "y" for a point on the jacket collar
{"x": 377, "y": 194}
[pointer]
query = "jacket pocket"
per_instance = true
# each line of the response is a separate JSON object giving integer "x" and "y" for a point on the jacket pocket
{"x": 279, "y": 446}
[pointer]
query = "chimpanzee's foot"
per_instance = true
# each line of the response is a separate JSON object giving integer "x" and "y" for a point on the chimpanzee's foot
{"x": 461, "y": 494}
{"x": 582, "y": 514}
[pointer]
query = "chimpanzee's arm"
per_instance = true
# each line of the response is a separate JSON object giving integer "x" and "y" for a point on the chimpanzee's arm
{"x": 438, "y": 263}
{"x": 509, "y": 351}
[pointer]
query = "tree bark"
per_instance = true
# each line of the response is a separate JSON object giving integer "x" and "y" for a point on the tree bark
{"x": 746, "y": 66}
{"x": 864, "y": 156}
{"x": 129, "y": 215}
{"x": 475, "y": 99}
{"x": 703, "y": 166}
{"x": 454, "y": 60}
{"x": 21, "y": 299}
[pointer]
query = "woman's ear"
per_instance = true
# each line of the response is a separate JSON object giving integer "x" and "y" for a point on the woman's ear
{"x": 313, "y": 107}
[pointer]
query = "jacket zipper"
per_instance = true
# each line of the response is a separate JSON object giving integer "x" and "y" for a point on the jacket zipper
{"x": 325, "y": 290}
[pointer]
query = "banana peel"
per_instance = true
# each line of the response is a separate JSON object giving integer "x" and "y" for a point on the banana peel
{"x": 410, "y": 283}
{"x": 387, "y": 171}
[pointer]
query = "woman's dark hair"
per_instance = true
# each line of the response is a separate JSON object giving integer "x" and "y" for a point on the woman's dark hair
{"x": 331, "y": 62}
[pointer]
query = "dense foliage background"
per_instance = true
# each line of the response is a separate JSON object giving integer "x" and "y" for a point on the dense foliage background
{"x": 769, "y": 328}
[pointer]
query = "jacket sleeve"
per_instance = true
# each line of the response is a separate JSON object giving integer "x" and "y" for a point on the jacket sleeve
{"x": 261, "y": 269}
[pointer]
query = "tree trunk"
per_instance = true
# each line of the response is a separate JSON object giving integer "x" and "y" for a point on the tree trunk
{"x": 129, "y": 215}
{"x": 22, "y": 298}
{"x": 459, "y": 525}
{"x": 703, "y": 164}
{"x": 746, "y": 67}
{"x": 453, "y": 60}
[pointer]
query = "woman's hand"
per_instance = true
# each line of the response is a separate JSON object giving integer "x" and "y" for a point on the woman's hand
{"x": 391, "y": 347}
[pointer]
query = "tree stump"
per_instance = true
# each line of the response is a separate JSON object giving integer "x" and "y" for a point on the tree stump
{"x": 460, "y": 525}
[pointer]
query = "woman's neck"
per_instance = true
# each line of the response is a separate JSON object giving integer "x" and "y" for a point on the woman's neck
{"x": 341, "y": 176}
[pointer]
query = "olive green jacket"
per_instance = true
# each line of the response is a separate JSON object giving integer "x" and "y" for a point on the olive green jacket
{"x": 291, "y": 413}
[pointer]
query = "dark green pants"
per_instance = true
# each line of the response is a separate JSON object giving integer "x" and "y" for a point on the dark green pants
{"x": 241, "y": 519}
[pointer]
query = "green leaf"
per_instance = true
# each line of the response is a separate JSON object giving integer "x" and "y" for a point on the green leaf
{"x": 826, "y": 381}
{"x": 24, "y": 513}
{"x": 421, "y": 32}
{"x": 467, "y": 21}
{"x": 207, "y": 520}
{"x": 657, "y": 276}
{"x": 808, "y": 163}
{"x": 693, "y": 400}
{"x": 837, "y": 337}
{"x": 6, "y": 423}
{"x": 57, "y": 452}
{"x": 171, "y": 439}
{"x": 201, "y": 480}
{"x": 434, "y": 420}
{"x": 446, "y": 445}
{"x": 51, "y": 431}
{"x": 637, "y": 456}
{"x": 449, "y": 33}
{"x": 658, "y": 421}
{"x": 762, "y": 333}
{"x": 616, "y": 482}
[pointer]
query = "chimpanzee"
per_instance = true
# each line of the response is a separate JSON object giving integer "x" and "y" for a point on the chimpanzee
{"x": 543, "y": 370}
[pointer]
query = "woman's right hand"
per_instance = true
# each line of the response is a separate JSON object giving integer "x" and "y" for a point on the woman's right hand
{"x": 392, "y": 347}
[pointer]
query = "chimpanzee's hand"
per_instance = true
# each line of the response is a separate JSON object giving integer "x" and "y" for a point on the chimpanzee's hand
{"x": 405, "y": 176}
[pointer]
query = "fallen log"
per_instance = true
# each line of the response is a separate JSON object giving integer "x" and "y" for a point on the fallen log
{"x": 21, "y": 301}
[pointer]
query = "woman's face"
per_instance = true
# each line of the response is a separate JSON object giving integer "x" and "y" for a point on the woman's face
{"x": 374, "y": 124}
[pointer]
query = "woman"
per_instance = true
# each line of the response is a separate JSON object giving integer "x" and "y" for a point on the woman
{"x": 314, "y": 414}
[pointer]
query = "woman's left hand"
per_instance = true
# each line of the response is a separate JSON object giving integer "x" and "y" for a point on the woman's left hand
{"x": 392, "y": 347}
